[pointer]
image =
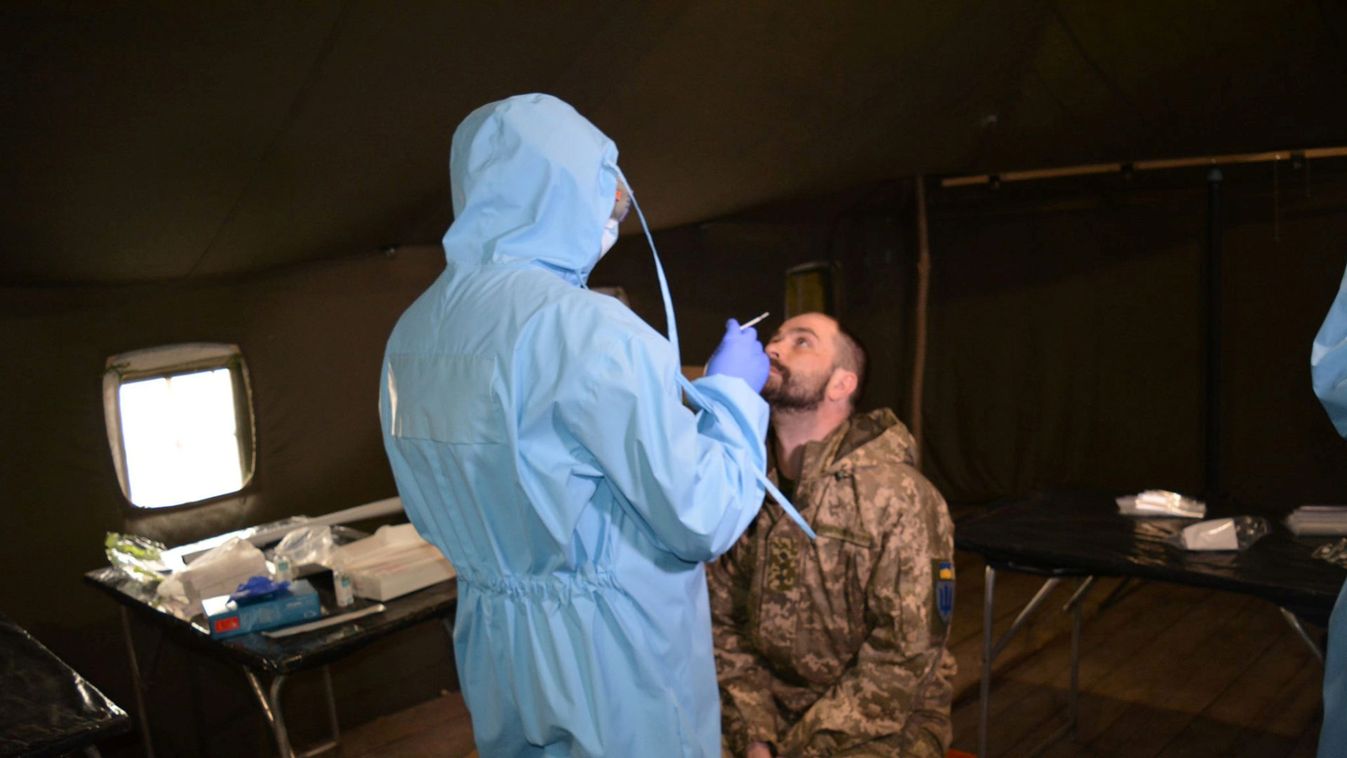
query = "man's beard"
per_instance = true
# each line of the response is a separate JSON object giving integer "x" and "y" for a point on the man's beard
{"x": 794, "y": 393}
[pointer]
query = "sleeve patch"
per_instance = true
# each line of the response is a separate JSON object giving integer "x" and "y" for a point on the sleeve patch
{"x": 943, "y": 574}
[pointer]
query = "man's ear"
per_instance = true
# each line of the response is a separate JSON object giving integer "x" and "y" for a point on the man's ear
{"x": 842, "y": 384}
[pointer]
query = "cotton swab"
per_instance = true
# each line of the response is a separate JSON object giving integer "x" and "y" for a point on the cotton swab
{"x": 751, "y": 322}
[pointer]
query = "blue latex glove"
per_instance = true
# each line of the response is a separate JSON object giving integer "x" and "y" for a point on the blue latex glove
{"x": 740, "y": 354}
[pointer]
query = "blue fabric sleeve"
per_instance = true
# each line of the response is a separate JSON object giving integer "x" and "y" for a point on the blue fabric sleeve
{"x": 1328, "y": 361}
{"x": 614, "y": 391}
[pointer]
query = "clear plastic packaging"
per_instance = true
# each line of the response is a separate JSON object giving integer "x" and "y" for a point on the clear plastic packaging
{"x": 1161, "y": 503}
{"x": 1235, "y": 533}
{"x": 306, "y": 549}
{"x": 217, "y": 572}
{"x": 1334, "y": 552}
{"x": 137, "y": 556}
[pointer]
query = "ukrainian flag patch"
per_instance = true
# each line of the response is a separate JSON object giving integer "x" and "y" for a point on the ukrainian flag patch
{"x": 943, "y": 572}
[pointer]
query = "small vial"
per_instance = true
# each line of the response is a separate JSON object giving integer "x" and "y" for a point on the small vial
{"x": 341, "y": 583}
{"x": 284, "y": 571}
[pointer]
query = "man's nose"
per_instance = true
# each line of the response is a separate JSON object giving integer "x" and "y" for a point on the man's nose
{"x": 773, "y": 350}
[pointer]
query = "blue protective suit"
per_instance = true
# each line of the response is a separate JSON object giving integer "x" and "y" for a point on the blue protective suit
{"x": 1328, "y": 361}
{"x": 1328, "y": 368}
{"x": 538, "y": 438}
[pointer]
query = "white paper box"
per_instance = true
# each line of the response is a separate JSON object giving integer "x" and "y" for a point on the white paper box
{"x": 391, "y": 563}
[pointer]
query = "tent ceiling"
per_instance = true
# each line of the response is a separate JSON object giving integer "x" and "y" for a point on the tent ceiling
{"x": 164, "y": 141}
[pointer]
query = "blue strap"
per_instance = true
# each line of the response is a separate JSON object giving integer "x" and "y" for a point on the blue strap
{"x": 695, "y": 396}
{"x": 659, "y": 270}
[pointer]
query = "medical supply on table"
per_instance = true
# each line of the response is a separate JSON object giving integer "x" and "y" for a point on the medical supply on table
{"x": 1318, "y": 520}
{"x": 338, "y": 618}
{"x": 284, "y": 569}
{"x": 753, "y": 321}
{"x": 343, "y": 589}
{"x": 1236, "y": 533}
{"x": 265, "y": 534}
{"x": 261, "y": 604}
{"x": 392, "y": 562}
{"x": 1333, "y": 552}
{"x": 308, "y": 549}
{"x": 217, "y": 572}
{"x": 136, "y": 556}
{"x": 1161, "y": 503}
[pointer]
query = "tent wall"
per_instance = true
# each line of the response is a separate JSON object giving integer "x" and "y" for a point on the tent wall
{"x": 1069, "y": 331}
{"x": 1067, "y": 325}
{"x": 1065, "y": 351}
{"x": 313, "y": 339}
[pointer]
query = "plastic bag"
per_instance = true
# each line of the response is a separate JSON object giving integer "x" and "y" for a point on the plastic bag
{"x": 138, "y": 557}
{"x": 1333, "y": 552}
{"x": 1161, "y": 503}
{"x": 307, "y": 546}
{"x": 1236, "y": 533}
{"x": 217, "y": 572}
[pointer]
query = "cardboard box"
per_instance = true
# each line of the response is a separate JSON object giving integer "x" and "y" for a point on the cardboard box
{"x": 227, "y": 618}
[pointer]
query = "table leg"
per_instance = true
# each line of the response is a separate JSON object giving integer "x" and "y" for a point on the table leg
{"x": 331, "y": 707}
{"x": 984, "y": 695}
{"x": 269, "y": 700}
{"x": 1304, "y": 634}
{"x": 136, "y": 684}
{"x": 990, "y": 649}
{"x": 1073, "y": 701}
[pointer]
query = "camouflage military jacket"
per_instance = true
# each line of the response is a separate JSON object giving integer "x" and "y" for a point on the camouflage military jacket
{"x": 837, "y": 647}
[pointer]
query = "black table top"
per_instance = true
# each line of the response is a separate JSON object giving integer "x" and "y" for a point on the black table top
{"x": 285, "y": 654}
{"x": 1084, "y": 534}
{"x": 46, "y": 707}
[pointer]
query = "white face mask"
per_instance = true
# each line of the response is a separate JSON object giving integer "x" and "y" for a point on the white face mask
{"x": 609, "y": 237}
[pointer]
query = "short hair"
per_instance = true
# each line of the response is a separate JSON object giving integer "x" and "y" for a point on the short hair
{"x": 850, "y": 356}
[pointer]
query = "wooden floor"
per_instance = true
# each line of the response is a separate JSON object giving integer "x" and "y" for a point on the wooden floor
{"x": 1164, "y": 671}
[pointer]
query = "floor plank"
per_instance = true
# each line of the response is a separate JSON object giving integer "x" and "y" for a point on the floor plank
{"x": 1168, "y": 670}
{"x": 439, "y": 727}
{"x": 1165, "y": 671}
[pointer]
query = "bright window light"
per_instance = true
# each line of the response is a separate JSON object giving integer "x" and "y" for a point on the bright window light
{"x": 181, "y": 441}
{"x": 179, "y": 423}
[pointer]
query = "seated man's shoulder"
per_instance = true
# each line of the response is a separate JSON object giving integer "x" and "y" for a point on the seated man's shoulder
{"x": 887, "y": 460}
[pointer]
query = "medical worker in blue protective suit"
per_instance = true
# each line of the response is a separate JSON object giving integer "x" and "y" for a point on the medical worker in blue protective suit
{"x": 538, "y": 438}
{"x": 1328, "y": 369}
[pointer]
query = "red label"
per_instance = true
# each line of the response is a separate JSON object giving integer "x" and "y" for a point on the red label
{"x": 227, "y": 624}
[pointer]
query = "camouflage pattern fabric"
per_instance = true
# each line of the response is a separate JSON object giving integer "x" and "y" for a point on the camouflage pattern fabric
{"x": 837, "y": 647}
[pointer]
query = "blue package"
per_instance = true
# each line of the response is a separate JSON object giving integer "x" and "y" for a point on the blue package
{"x": 229, "y": 618}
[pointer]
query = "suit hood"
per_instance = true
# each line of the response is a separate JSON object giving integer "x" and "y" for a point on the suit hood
{"x": 533, "y": 182}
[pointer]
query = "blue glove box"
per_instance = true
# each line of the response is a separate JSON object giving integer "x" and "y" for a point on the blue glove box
{"x": 228, "y": 618}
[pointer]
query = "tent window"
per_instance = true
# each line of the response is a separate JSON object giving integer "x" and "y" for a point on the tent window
{"x": 179, "y": 423}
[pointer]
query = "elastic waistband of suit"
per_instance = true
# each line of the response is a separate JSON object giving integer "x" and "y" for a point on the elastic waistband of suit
{"x": 554, "y": 586}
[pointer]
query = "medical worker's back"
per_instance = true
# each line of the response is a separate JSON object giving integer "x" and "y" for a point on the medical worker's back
{"x": 537, "y": 437}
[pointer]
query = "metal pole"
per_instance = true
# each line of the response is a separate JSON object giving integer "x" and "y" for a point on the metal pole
{"x": 136, "y": 684}
{"x": 984, "y": 695}
{"x": 1303, "y": 634}
{"x": 919, "y": 341}
{"x": 1212, "y": 478}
